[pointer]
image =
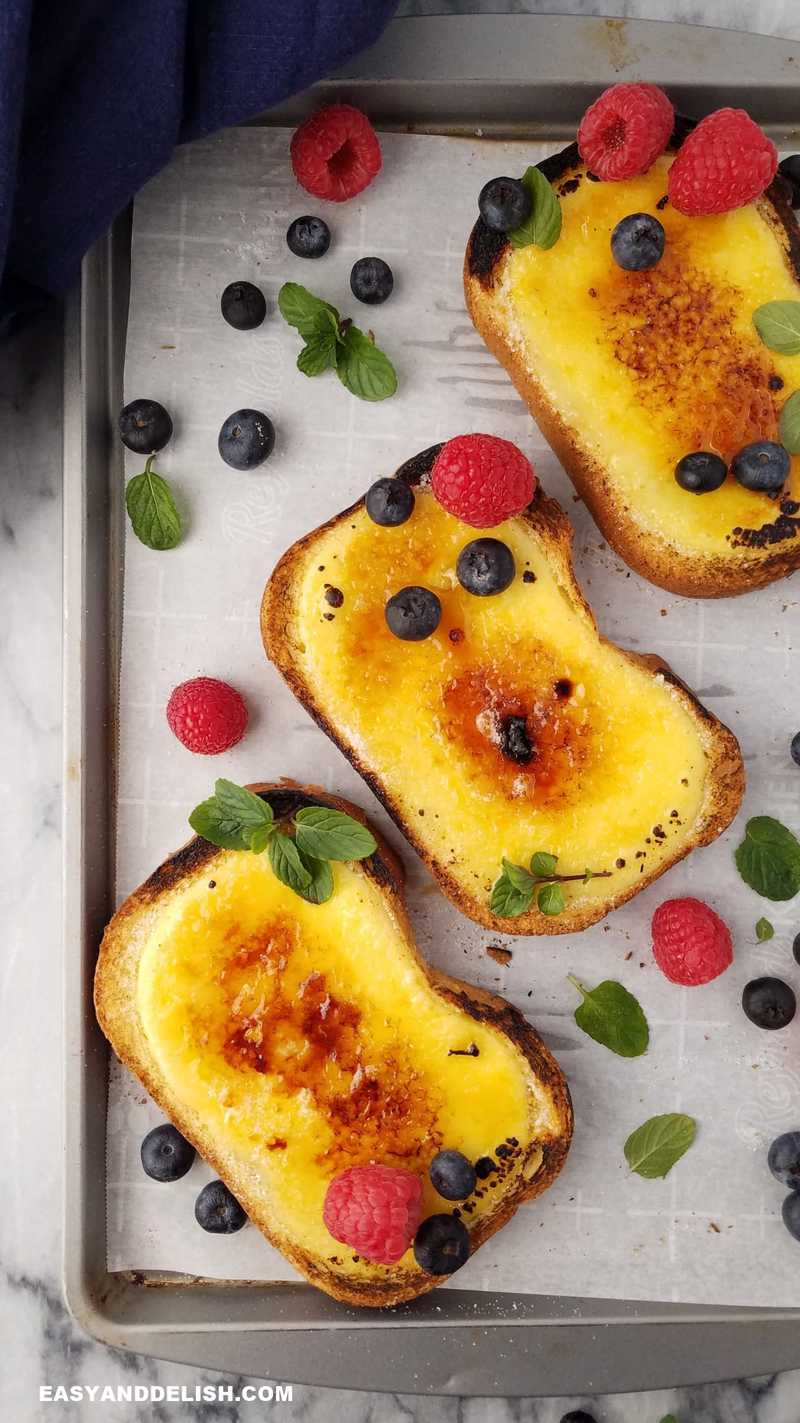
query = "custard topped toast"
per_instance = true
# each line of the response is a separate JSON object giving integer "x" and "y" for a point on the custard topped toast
{"x": 626, "y": 772}
{"x": 289, "y": 1041}
{"x": 626, "y": 372}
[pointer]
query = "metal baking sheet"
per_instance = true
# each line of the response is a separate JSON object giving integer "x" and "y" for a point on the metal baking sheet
{"x": 496, "y": 75}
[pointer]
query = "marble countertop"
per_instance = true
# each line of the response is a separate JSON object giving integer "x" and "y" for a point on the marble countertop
{"x": 41, "y": 1343}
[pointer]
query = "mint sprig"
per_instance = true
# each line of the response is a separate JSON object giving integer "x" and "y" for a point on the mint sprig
{"x": 333, "y": 343}
{"x": 300, "y": 848}
{"x": 543, "y": 227}
{"x": 768, "y": 858}
{"x": 516, "y": 887}
{"x": 152, "y": 510}
{"x": 613, "y": 1017}
{"x": 778, "y": 325}
{"x": 656, "y": 1145}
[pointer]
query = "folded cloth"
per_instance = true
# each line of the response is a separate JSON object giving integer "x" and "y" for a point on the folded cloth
{"x": 95, "y": 94}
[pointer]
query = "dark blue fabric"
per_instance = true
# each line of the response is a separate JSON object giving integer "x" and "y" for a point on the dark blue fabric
{"x": 94, "y": 95}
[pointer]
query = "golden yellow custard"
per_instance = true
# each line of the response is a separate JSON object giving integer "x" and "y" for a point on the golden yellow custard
{"x": 649, "y": 366}
{"x": 621, "y": 776}
{"x": 303, "y": 1039}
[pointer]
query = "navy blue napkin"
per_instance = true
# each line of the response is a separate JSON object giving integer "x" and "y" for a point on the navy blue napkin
{"x": 94, "y": 95}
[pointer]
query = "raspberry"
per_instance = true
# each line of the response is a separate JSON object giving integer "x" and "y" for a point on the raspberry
{"x": 335, "y": 154}
{"x": 206, "y": 715}
{"x": 691, "y": 943}
{"x": 623, "y": 132}
{"x": 482, "y": 479}
{"x": 723, "y": 163}
{"x": 375, "y": 1209}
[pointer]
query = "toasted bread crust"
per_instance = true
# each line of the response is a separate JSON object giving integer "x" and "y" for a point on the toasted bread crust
{"x": 725, "y": 771}
{"x": 115, "y": 1000}
{"x": 741, "y": 569}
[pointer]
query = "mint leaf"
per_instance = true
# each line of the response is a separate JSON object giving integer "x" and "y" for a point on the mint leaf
{"x": 778, "y": 325}
{"x": 151, "y": 510}
{"x": 286, "y": 863}
{"x": 518, "y": 876}
{"x": 260, "y": 837}
{"x": 612, "y": 1016}
{"x": 654, "y": 1147}
{"x": 589, "y": 874}
{"x": 768, "y": 858}
{"x": 670, "y": 1418}
{"x": 363, "y": 369}
{"x": 509, "y": 900}
{"x": 543, "y": 227}
{"x": 543, "y": 864}
{"x": 764, "y": 930}
{"x": 789, "y": 424}
{"x": 328, "y": 834}
{"x": 318, "y": 354}
{"x": 301, "y": 309}
{"x": 550, "y": 899}
{"x": 233, "y": 817}
{"x": 321, "y": 887}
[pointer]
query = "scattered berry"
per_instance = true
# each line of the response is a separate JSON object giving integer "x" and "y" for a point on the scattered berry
{"x": 790, "y": 168}
{"x": 336, "y": 153}
{"x": 243, "y": 306}
{"x": 207, "y": 716}
{"x": 308, "y": 237}
{"x": 691, "y": 944}
{"x": 515, "y": 742}
{"x": 794, "y": 748}
{"x": 701, "y": 472}
{"x": 578, "y": 1415}
{"x": 637, "y": 242}
{"x": 625, "y": 130}
{"x": 791, "y": 1214}
{"x": 166, "y": 1155}
{"x": 769, "y": 1003}
{"x": 784, "y": 1159}
{"x": 413, "y": 613}
{"x": 389, "y": 502}
{"x": 371, "y": 280}
{"x": 218, "y": 1211}
{"x": 441, "y": 1245}
{"x": 452, "y": 1175}
{"x": 482, "y": 479}
{"x": 504, "y": 203}
{"x": 722, "y": 164}
{"x": 485, "y": 567}
{"x": 246, "y": 439}
{"x": 374, "y": 1209}
{"x": 145, "y": 426}
{"x": 763, "y": 466}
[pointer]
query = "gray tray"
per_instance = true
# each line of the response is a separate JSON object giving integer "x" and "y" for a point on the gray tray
{"x": 521, "y": 74}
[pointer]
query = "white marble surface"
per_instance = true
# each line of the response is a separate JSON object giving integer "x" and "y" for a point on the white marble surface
{"x": 40, "y": 1344}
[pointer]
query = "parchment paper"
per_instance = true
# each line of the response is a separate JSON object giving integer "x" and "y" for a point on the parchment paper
{"x": 711, "y": 1232}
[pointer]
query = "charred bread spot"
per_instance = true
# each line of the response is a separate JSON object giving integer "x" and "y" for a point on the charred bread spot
{"x": 415, "y": 469}
{"x": 184, "y": 863}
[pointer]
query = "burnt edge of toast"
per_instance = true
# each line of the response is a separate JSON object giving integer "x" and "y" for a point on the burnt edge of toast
{"x": 199, "y": 852}
{"x": 486, "y": 248}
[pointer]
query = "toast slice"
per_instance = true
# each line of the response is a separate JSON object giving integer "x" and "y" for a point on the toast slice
{"x": 289, "y": 1041}
{"x": 626, "y": 372}
{"x": 628, "y": 771}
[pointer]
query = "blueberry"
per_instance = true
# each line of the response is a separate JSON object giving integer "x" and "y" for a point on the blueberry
{"x": 243, "y": 305}
{"x": 794, "y": 748}
{"x": 371, "y": 280}
{"x": 217, "y": 1211}
{"x": 637, "y": 242}
{"x": 790, "y": 168}
{"x": 145, "y": 426}
{"x": 308, "y": 237}
{"x": 796, "y": 947}
{"x": 764, "y": 465}
{"x": 578, "y": 1415}
{"x": 515, "y": 742}
{"x": 791, "y": 1214}
{"x": 389, "y": 502}
{"x": 504, "y": 204}
{"x": 784, "y": 1159}
{"x": 701, "y": 472}
{"x": 452, "y": 1175}
{"x": 246, "y": 439}
{"x": 166, "y": 1155}
{"x": 769, "y": 1003}
{"x": 413, "y": 613}
{"x": 485, "y": 567}
{"x": 441, "y": 1245}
